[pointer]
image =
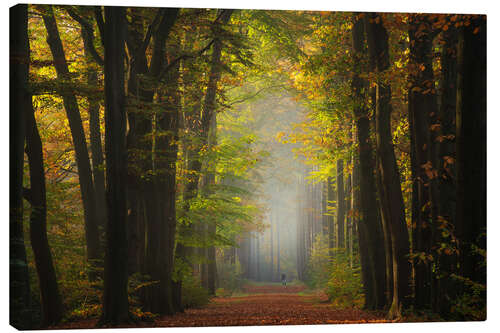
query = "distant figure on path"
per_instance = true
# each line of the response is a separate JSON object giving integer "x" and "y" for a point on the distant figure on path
{"x": 283, "y": 279}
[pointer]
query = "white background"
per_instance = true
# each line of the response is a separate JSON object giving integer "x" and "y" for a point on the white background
{"x": 427, "y": 6}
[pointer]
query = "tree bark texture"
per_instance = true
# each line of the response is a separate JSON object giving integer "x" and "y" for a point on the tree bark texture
{"x": 370, "y": 227}
{"x": 115, "y": 300}
{"x": 19, "y": 286}
{"x": 394, "y": 212}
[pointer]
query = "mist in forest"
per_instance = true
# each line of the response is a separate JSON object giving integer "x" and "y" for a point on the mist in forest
{"x": 270, "y": 253}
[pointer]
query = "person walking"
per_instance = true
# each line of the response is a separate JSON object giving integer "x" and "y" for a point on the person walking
{"x": 283, "y": 279}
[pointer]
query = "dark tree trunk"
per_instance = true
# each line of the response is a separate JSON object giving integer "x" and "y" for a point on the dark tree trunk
{"x": 166, "y": 158}
{"x": 160, "y": 190}
{"x": 94, "y": 254}
{"x": 93, "y": 60}
{"x": 150, "y": 220}
{"x": 340, "y": 205}
{"x": 370, "y": 230}
{"x": 421, "y": 107}
{"x": 115, "y": 301}
{"x": 447, "y": 174}
{"x": 394, "y": 211}
{"x": 348, "y": 190}
{"x": 20, "y": 294}
{"x": 97, "y": 153}
{"x": 50, "y": 299}
{"x": 471, "y": 149}
{"x": 139, "y": 146}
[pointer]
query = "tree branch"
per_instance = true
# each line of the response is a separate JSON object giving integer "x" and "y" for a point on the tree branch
{"x": 184, "y": 57}
{"x": 87, "y": 34}
{"x": 27, "y": 195}
{"x": 241, "y": 100}
{"x": 224, "y": 14}
{"x": 149, "y": 32}
{"x": 100, "y": 22}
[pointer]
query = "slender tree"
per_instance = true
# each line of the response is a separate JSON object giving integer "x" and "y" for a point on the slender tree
{"x": 94, "y": 254}
{"x": 36, "y": 195}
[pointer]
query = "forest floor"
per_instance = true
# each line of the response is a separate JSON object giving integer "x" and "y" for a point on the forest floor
{"x": 259, "y": 304}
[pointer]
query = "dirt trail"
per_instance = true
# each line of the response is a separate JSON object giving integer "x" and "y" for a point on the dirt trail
{"x": 260, "y": 305}
{"x": 269, "y": 305}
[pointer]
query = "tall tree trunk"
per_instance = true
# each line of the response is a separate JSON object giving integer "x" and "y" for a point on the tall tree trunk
{"x": 211, "y": 227}
{"x": 161, "y": 220}
{"x": 19, "y": 285}
{"x": 94, "y": 254}
{"x": 278, "y": 267}
{"x": 301, "y": 213}
{"x": 209, "y": 127}
{"x": 340, "y": 204}
{"x": 370, "y": 230}
{"x": 166, "y": 158}
{"x": 115, "y": 299}
{"x": 331, "y": 229}
{"x": 192, "y": 87}
{"x": 257, "y": 255}
{"x": 447, "y": 175}
{"x": 50, "y": 299}
{"x": 97, "y": 153}
{"x": 471, "y": 149}
{"x": 348, "y": 189}
{"x": 421, "y": 106}
{"x": 272, "y": 247}
{"x": 324, "y": 211}
{"x": 93, "y": 60}
{"x": 139, "y": 145}
{"x": 390, "y": 180}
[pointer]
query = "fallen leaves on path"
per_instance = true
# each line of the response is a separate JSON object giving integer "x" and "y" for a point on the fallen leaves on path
{"x": 271, "y": 305}
{"x": 267, "y": 305}
{"x": 268, "y": 309}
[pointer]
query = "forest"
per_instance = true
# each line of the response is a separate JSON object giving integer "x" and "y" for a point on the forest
{"x": 215, "y": 167}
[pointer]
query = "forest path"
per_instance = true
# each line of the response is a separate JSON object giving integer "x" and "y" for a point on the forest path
{"x": 259, "y": 304}
{"x": 268, "y": 305}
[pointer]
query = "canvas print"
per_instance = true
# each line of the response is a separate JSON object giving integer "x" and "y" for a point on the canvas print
{"x": 174, "y": 167}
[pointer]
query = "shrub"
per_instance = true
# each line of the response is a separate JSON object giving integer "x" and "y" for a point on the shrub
{"x": 193, "y": 294}
{"x": 344, "y": 287}
{"x": 334, "y": 274}
{"x": 229, "y": 276}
